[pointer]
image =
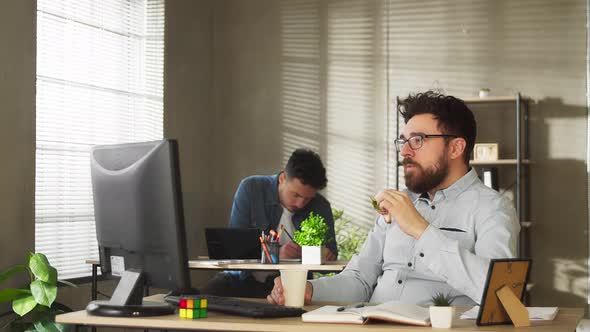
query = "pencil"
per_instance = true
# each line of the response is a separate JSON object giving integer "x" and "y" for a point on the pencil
{"x": 267, "y": 254}
{"x": 289, "y": 235}
{"x": 279, "y": 234}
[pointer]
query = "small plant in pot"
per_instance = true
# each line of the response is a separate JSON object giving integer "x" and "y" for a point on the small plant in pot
{"x": 312, "y": 237}
{"x": 441, "y": 311}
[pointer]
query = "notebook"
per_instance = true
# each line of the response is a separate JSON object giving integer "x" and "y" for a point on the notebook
{"x": 233, "y": 243}
{"x": 395, "y": 312}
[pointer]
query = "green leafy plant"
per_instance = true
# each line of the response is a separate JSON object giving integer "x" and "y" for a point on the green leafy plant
{"x": 314, "y": 231}
{"x": 349, "y": 238}
{"x": 33, "y": 305}
{"x": 442, "y": 300}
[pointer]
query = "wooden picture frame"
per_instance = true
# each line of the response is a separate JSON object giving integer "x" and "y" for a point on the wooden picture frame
{"x": 510, "y": 272}
{"x": 485, "y": 151}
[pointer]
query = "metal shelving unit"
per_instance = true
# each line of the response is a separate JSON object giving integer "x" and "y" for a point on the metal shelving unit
{"x": 520, "y": 161}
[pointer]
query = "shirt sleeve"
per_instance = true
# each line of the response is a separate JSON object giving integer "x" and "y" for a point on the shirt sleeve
{"x": 462, "y": 269}
{"x": 240, "y": 211}
{"x": 357, "y": 281}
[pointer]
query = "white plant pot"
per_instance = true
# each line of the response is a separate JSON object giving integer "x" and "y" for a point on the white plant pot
{"x": 442, "y": 317}
{"x": 312, "y": 255}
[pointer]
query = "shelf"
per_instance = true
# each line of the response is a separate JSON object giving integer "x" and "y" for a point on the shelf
{"x": 492, "y": 99}
{"x": 498, "y": 162}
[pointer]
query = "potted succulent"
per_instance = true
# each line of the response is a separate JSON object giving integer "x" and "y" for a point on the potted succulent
{"x": 484, "y": 92}
{"x": 312, "y": 237}
{"x": 441, "y": 311}
{"x": 33, "y": 304}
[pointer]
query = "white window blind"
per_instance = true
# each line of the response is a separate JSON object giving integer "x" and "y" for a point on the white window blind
{"x": 335, "y": 95}
{"x": 99, "y": 81}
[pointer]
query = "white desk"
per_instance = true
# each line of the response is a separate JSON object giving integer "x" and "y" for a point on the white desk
{"x": 566, "y": 320}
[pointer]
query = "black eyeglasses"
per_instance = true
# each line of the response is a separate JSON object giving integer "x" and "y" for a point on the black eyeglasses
{"x": 416, "y": 141}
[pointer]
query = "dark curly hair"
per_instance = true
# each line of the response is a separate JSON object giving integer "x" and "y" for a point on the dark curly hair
{"x": 307, "y": 166}
{"x": 454, "y": 117}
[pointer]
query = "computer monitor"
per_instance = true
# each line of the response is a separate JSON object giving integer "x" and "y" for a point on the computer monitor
{"x": 139, "y": 224}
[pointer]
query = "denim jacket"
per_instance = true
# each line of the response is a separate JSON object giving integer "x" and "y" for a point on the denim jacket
{"x": 256, "y": 205}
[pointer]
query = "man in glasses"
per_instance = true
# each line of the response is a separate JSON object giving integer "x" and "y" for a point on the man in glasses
{"x": 440, "y": 234}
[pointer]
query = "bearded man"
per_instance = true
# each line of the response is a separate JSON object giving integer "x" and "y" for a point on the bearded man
{"x": 437, "y": 236}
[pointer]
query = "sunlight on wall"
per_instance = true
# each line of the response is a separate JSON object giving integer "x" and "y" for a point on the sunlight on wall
{"x": 570, "y": 276}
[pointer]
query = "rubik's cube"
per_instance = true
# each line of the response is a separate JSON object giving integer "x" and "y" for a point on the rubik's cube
{"x": 192, "y": 308}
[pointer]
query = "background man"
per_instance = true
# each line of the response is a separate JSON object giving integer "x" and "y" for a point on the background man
{"x": 265, "y": 202}
{"x": 439, "y": 235}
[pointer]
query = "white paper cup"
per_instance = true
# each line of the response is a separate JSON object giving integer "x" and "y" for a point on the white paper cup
{"x": 294, "y": 287}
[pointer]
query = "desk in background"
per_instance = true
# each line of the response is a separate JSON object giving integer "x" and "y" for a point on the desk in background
{"x": 566, "y": 320}
{"x": 206, "y": 264}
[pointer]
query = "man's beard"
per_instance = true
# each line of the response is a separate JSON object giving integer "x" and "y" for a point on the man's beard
{"x": 421, "y": 180}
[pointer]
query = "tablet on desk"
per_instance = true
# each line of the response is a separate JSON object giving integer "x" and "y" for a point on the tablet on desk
{"x": 233, "y": 243}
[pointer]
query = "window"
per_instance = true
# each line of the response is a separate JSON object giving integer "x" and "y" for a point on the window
{"x": 99, "y": 81}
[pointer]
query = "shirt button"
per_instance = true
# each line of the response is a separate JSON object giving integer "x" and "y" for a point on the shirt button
{"x": 409, "y": 264}
{"x": 421, "y": 254}
{"x": 399, "y": 281}
{"x": 432, "y": 207}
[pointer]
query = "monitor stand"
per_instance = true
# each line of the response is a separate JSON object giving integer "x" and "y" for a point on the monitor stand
{"x": 127, "y": 300}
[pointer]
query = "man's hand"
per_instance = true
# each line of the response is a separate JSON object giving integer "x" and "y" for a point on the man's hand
{"x": 404, "y": 212}
{"x": 290, "y": 250}
{"x": 330, "y": 255}
{"x": 277, "y": 296}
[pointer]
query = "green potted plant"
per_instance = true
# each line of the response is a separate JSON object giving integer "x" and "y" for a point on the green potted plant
{"x": 312, "y": 237}
{"x": 33, "y": 304}
{"x": 441, "y": 311}
{"x": 484, "y": 92}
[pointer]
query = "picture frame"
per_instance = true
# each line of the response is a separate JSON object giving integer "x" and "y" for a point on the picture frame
{"x": 511, "y": 272}
{"x": 485, "y": 151}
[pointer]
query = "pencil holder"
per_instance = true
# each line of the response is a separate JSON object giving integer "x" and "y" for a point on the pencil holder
{"x": 269, "y": 253}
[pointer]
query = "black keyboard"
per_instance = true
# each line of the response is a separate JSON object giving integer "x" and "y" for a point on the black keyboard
{"x": 233, "y": 306}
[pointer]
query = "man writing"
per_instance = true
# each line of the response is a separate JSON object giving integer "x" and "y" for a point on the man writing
{"x": 266, "y": 202}
{"x": 439, "y": 235}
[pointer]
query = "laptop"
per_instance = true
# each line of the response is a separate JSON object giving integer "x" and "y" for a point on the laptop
{"x": 233, "y": 243}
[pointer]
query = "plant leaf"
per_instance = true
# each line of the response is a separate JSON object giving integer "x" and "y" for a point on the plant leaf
{"x": 43, "y": 292}
{"x": 10, "y": 272}
{"x": 65, "y": 282}
{"x": 24, "y": 305}
{"x": 9, "y": 294}
{"x": 39, "y": 265}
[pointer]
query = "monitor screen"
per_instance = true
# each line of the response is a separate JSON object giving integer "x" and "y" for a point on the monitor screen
{"x": 139, "y": 222}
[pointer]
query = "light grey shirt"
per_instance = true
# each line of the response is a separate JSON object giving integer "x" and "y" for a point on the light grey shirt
{"x": 469, "y": 224}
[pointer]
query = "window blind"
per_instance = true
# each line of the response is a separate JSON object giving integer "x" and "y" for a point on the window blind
{"x": 335, "y": 95}
{"x": 99, "y": 81}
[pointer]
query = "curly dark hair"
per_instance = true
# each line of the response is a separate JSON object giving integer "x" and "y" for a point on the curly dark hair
{"x": 454, "y": 117}
{"x": 307, "y": 166}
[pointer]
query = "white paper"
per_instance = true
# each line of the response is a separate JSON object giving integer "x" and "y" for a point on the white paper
{"x": 117, "y": 265}
{"x": 535, "y": 313}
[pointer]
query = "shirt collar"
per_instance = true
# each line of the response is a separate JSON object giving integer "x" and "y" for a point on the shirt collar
{"x": 274, "y": 191}
{"x": 453, "y": 190}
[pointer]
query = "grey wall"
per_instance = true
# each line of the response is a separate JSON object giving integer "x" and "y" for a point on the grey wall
{"x": 17, "y": 131}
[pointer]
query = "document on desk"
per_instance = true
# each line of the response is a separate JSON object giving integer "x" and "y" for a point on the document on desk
{"x": 535, "y": 313}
